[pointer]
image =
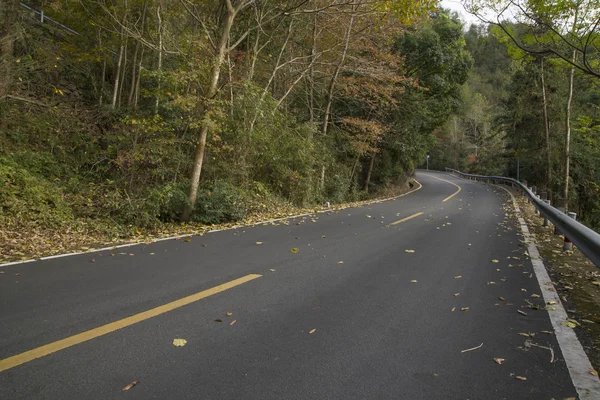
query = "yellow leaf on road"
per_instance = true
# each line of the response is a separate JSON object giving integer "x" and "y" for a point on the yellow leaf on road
{"x": 179, "y": 342}
{"x": 499, "y": 360}
{"x": 233, "y": 322}
{"x": 409, "y": 251}
{"x": 495, "y": 261}
{"x": 312, "y": 331}
{"x": 340, "y": 262}
{"x": 414, "y": 281}
{"x": 259, "y": 242}
{"x": 187, "y": 239}
{"x": 132, "y": 384}
{"x": 458, "y": 277}
{"x": 294, "y": 250}
{"x": 521, "y": 378}
{"x": 229, "y": 314}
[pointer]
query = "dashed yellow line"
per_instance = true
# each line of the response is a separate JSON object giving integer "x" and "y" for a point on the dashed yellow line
{"x": 62, "y": 344}
{"x": 452, "y": 183}
{"x": 406, "y": 219}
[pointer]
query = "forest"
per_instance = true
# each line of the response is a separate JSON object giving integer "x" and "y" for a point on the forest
{"x": 121, "y": 118}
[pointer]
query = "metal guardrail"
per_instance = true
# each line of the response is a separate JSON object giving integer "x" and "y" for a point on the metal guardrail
{"x": 586, "y": 239}
{"x": 41, "y": 17}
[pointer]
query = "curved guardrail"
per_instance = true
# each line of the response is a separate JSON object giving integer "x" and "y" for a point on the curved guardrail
{"x": 586, "y": 239}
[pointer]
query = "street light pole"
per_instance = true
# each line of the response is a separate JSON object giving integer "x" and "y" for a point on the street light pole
{"x": 427, "y": 158}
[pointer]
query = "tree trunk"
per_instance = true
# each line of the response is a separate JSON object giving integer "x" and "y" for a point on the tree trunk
{"x": 368, "y": 181}
{"x": 218, "y": 59}
{"x": 568, "y": 144}
{"x": 9, "y": 11}
{"x": 118, "y": 73}
{"x": 332, "y": 86}
{"x": 311, "y": 80}
{"x": 336, "y": 73}
{"x": 134, "y": 66}
{"x": 124, "y": 72}
{"x": 569, "y": 103}
{"x": 547, "y": 126}
{"x": 160, "y": 56}
{"x": 137, "y": 82}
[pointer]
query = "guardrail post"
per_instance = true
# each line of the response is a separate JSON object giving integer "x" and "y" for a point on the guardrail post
{"x": 560, "y": 207}
{"x": 545, "y": 218}
{"x": 567, "y": 245}
{"x": 537, "y": 212}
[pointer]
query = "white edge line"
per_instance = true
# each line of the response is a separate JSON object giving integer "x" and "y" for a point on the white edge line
{"x": 120, "y": 246}
{"x": 578, "y": 363}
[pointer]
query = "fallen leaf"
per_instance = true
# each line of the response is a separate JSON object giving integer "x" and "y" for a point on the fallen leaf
{"x": 229, "y": 314}
{"x": 593, "y": 371}
{"x": 179, "y": 342}
{"x": 340, "y": 262}
{"x": 132, "y": 384}
{"x": 323, "y": 237}
{"x": 218, "y": 320}
{"x": 312, "y": 331}
{"x": 204, "y": 245}
{"x": 495, "y": 261}
{"x": 501, "y": 298}
{"x": 233, "y": 322}
{"x": 187, "y": 239}
{"x": 552, "y": 302}
{"x": 535, "y": 295}
{"x": 522, "y": 312}
{"x": 112, "y": 254}
{"x": 131, "y": 254}
{"x": 152, "y": 254}
{"x": 1, "y": 272}
{"x": 499, "y": 360}
{"x": 458, "y": 277}
{"x": 569, "y": 324}
{"x": 18, "y": 274}
{"x": 271, "y": 269}
{"x": 464, "y": 309}
{"x": 294, "y": 250}
{"x": 93, "y": 260}
{"x": 521, "y": 378}
{"x": 409, "y": 251}
{"x": 414, "y": 281}
{"x": 259, "y": 242}
{"x": 456, "y": 294}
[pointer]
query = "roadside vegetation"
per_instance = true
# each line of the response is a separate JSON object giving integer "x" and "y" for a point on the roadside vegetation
{"x": 532, "y": 100}
{"x": 126, "y": 120}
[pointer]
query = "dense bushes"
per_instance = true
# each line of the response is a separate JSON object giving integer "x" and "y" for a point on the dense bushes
{"x": 30, "y": 197}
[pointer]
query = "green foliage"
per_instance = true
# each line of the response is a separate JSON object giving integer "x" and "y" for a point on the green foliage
{"x": 220, "y": 202}
{"x": 31, "y": 197}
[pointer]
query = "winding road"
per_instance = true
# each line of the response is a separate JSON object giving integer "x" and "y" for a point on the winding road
{"x": 411, "y": 298}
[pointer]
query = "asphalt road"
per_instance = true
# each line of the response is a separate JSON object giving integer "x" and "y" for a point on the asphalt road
{"x": 383, "y": 319}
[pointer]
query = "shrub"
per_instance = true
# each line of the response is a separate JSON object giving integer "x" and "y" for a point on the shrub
{"x": 27, "y": 196}
{"x": 220, "y": 202}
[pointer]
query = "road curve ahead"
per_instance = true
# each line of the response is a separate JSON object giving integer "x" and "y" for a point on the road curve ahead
{"x": 411, "y": 298}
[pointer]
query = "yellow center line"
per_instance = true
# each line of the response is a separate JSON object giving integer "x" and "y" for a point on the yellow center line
{"x": 62, "y": 344}
{"x": 406, "y": 219}
{"x": 452, "y": 183}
